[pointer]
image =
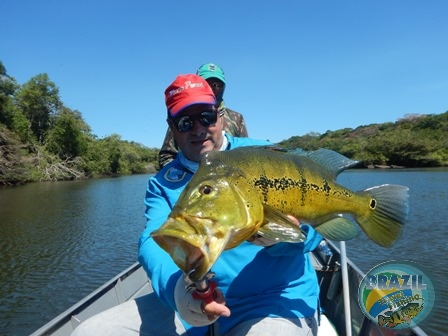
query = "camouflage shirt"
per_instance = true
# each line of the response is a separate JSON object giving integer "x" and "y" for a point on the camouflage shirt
{"x": 233, "y": 124}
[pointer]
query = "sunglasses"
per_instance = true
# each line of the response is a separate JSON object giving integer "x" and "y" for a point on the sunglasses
{"x": 186, "y": 123}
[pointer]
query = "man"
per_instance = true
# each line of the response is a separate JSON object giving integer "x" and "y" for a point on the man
{"x": 282, "y": 292}
{"x": 233, "y": 122}
{"x": 262, "y": 290}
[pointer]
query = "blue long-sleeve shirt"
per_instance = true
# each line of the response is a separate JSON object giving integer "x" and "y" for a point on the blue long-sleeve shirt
{"x": 256, "y": 281}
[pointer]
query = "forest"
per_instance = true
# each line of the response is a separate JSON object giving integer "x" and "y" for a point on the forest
{"x": 413, "y": 141}
{"x": 43, "y": 140}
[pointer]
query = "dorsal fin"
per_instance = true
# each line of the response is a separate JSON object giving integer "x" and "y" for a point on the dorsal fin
{"x": 334, "y": 162}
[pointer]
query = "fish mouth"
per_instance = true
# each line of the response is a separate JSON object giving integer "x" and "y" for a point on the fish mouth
{"x": 192, "y": 242}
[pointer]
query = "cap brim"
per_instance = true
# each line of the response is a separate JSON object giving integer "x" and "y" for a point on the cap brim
{"x": 178, "y": 107}
{"x": 213, "y": 75}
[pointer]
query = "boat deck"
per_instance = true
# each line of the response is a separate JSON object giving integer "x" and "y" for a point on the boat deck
{"x": 133, "y": 283}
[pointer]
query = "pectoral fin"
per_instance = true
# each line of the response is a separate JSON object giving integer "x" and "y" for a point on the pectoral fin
{"x": 279, "y": 227}
{"x": 338, "y": 229}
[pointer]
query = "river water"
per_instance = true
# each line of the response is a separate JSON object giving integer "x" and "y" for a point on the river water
{"x": 59, "y": 241}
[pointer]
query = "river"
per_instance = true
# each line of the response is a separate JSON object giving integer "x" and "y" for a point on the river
{"x": 59, "y": 241}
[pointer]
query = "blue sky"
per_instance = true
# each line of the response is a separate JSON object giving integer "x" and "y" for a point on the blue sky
{"x": 292, "y": 66}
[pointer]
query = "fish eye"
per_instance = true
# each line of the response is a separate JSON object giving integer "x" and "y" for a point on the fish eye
{"x": 205, "y": 190}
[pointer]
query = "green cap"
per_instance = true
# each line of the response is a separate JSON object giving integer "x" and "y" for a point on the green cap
{"x": 209, "y": 70}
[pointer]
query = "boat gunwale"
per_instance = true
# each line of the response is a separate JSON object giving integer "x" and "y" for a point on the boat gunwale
{"x": 67, "y": 316}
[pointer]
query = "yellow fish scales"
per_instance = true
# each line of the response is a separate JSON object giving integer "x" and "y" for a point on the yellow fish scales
{"x": 250, "y": 191}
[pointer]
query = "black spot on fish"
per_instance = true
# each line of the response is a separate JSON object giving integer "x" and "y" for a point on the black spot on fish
{"x": 343, "y": 193}
{"x": 372, "y": 204}
{"x": 326, "y": 188}
{"x": 277, "y": 184}
{"x": 314, "y": 187}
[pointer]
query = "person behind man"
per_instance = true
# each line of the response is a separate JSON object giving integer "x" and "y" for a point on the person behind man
{"x": 233, "y": 122}
{"x": 262, "y": 288}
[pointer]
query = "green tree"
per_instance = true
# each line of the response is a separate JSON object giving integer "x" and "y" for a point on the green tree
{"x": 95, "y": 161}
{"x": 68, "y": 134}
{"x": 39, "y": 100}
{"x": 103, "y": 156}
{"x": 8, "y": 87}
{"x": 113, "y": 149}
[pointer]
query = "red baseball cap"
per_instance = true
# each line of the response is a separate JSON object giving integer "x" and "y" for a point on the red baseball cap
{"x": 187, "y": 90}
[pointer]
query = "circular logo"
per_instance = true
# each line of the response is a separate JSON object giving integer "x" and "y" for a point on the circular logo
{"x": 397, "y": 294}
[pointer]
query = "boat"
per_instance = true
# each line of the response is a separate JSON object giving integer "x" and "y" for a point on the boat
{"x": 338, "y": 276}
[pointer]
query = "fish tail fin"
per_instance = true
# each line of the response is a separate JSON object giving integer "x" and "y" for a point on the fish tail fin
{"x": 387, "y": 214}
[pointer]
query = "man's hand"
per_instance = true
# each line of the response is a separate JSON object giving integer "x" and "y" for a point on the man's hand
{"x": 217, "y": 307}
{"x": 294, "y": 220}
{"x": 196, "y": 311}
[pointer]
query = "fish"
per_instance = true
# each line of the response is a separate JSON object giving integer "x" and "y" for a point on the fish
{"x": 404, "y": 314}
{"x": 250, "y": 191}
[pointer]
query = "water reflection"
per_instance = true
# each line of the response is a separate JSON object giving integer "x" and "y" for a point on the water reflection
{"x": 424, "y": 236}
{"x": 62, "y": 240}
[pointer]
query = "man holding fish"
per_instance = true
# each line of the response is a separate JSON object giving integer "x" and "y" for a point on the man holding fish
{"x": 260, "y": 290}
{"x": 245, "y": 284}
{"x": 221, "y": 247}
